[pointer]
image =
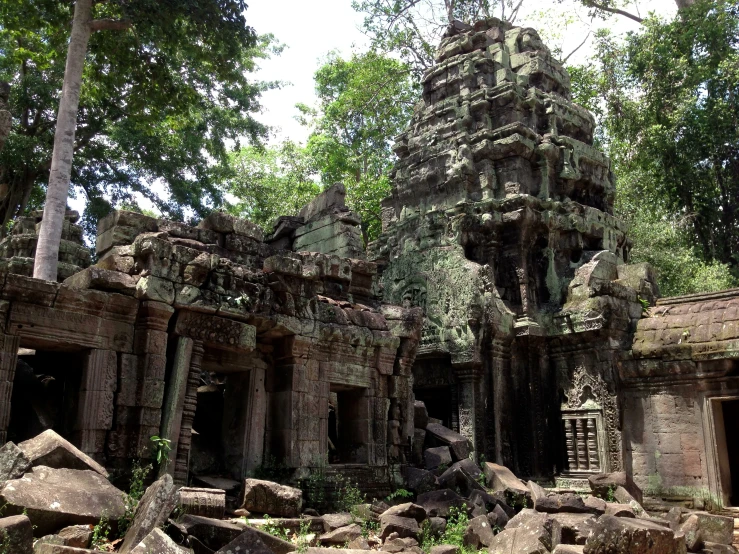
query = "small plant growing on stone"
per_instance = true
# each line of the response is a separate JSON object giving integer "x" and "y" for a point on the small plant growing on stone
{"x": 454, "y": 534}
{"x": 303, "y": 539}
{"x": 273, "y": 529}
{"x": 370, "y": 528}
{"x": 610, "y": 495}
{"x": 398, "y": 493}
{"x": 136, "y": 490}
{"x": 162, "y": 447}
{"x": 349, "y": 496}
{"x": 100, "y": 533}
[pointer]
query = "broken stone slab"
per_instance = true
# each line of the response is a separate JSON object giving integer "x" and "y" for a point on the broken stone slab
{"x": 334, "y": 521}
{"x": 152, "y": 511}
{"x": 328, "y": 550}
{"x": 574, "y": 528}
{"x": 395, "y": 544}
{"x": 478, "y": 533}
{"x": 13, "y": 462}
{"x": 436, "y": 457}
{"x": 49, "y": 548}
{"x": 714, "y": 528}
{"x": 420, "y": 480}
{"x": 444, "y": 549}
{"x": 527, "y": 535}
{"x": 715, "y": 548}
{"x": 100, "y": 278}
{"x": 55, "y": 498}
{"x": 498, "y": 517}
{"x": 213, "y": 533}
{"x": 456, "y": 478}
{"x": 360, "y": 543}
{"x": 266, "y": 497}
{"x": 16, "y": 535}
{"x": 315, "y": 523}
{"x": 213, "y": 482}
{"x": 202, "y": 502}
{"x": 52, "y": 450}
{"x": 275, "y": 544}
{"x": 158, "y": 542}
{"x": 459, "y": 445}
{"x": 617, "y": 535}
{"x": 604, "y": 485}
{"x": 624, "y": 497}
{"x": 405, "y": 527}
{"x": 619, "y": 510}
{"x": 420, "y": 415}
{"x": 555, "y": 503}
{"x": 439, "y": 503}
{"x": 501, "y": 479}
{"x": 691, "y": 530}
{"x": 567, "y": 549}
{"x": 596, "y": 505}
{"x": 78, "y": 536}
{"x": 250, "y": 541}
{"x": 409, "y": 509}
{"x": 342, "y": 535}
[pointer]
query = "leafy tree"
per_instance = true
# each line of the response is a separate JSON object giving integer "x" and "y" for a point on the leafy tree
{"x": 667, "y": 108}
{"x": 270, "y": 182}
{"x": 363, "y": 103}
{"x": 158, "y": 102}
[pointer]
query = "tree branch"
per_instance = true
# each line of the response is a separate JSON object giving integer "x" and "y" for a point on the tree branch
{"x": 578, "y": 48}
{"x": 592, "y": 4}
{"x": 110, "y": 25}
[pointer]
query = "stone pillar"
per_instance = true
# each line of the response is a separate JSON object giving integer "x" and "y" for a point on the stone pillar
{"x": 182, "y": 455}
{"x": 245, "y": 407}
{"x": 502, "y": 395}
{"x": 174, "y": 403}
{"x": 471, "y": 405}
{"x": 150, "y": 347}
{"x": 8, "y": 359}
{"x": 95, "y": 410}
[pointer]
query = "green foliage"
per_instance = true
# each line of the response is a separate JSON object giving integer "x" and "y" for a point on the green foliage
{"x": 159, "y": 102}
{"x": 271, "y": 181}
{"x": 453, "y": 534}
{"x": 273, "y": 469}
{"x": 302, "y": 540}
{"x": 666, "y": 101}
{"x": 271, "y": 527}
{"x": 136, "y": 489}
{"x": 364, "y": 102}
{"x": 162, "y": 447}
{"x": 398, "y": 493}
{"x": 348, "y": 496}
{"x": 100, "y": 533}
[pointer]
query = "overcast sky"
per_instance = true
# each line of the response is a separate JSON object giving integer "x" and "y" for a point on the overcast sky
{"x": 312, "y": 28}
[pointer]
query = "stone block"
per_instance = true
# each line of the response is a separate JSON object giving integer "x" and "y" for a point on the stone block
{"x": 439, "y": 503}
{"x": 435, "y": 457}
{"x": 52, "y": 450}
{"x": 405, "y": 527}
{"x": 408, "y": 509}
{"x": 251, "y": 542}
{"x": 151, "y": 512}
{"x": 13, "y": 462}
{"x": 202, "y": 502}
{"x": 478, "y": 533}
{"x": 266, "y": 497}
{"x": 16, "y": 535}
{"x": 632, "y": 536}
{"x": 157, "y": 541}
{"x": 51, "y": 498}
{"x": 605, "y": 484}
{"x": 341, "y": 536}
{"x": 459, "y": 445}
{"x": 155, "y": 288}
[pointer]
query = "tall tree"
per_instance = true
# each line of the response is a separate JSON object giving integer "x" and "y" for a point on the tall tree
{"x": 363, "y": 103}
{"x": 158, "y": 103}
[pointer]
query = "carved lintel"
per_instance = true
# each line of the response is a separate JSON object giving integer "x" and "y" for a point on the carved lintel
{"x": 216, "y": 331}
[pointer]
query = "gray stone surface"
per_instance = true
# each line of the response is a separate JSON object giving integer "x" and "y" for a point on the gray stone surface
{"x": 158, "y": 542}
{"x": 266, "y": 497}
{"x": 152, "y": 511}
{"x": 13, "y": 462}
{"x": 54, "y": 498}
{"x": 437, "y": 456}
{"x": 439, "y": 503}
{"x": 16, "y": 535}
{"x": 405, "y": 527}
{"x": 341, "y": 535}
{"x": 51, "y": 450}
{"x": 616, "y": 535}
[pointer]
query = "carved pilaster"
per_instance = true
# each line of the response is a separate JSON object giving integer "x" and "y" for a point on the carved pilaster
{"x": 8, "y": 359}
{"x": 175, "y": 399}
{"x": 190, "y": 404}
{"x": 95, "y": 411}
{"x": 471, "y": 405}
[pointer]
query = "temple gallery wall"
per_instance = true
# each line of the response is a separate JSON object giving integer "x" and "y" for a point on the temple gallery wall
{"x": 499, "y": 293}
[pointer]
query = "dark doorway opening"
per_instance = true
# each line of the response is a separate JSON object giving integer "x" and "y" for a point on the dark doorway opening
{"x": 441, "y": 404}
{"x": 731, "y": 428}
{"x": 348, "y": 425}
{"x": 45, "y": 394}
{"x": 206, "y": 454}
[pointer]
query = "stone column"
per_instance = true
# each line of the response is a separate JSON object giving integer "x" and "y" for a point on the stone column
{"x": 174, "y": 403}
{"x": 190, "y": 404}
{"x": 245, "y": 407}
{"x": 95, "y": 411}
{"x": 471, "y": 404}
{"x": 502, "y": 395}
{"x": 150, "y": 347}
{"x": 8, "y": 359}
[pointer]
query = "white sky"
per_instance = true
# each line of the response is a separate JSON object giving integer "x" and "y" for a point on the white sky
{"x": 312, "y": 28}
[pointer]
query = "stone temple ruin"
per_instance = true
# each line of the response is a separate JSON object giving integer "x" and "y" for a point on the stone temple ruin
{"x": 496, "y": 315}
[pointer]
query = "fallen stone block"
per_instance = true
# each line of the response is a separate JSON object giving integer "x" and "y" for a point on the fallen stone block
{"x": 78, "y": 536}
{"x": 501, "y": 479}
{"x": 596, "y": 505}
{"x": 436, "y": 526}
{"x": 275, "y": 544}
{"x": 526, "y": 535}
{"x": 420, "y": 480}
{"x": 574, "y": 528}
{"x": 48, "y": 548}
{"x": 436, "y": 457}
{"x": 213, "y": 533}
{"x": 556, "y": 503}
{"x": 617, "y": 535}
{"x": 360, "y": 543}
{"x": 247, "y": 542}
{"x": 13, "y": 462}
{"x": 498, "y": 517}
{"x": 405, "y": 527}
{"x": 714, "y": 528}
{"x": 152, "y": 511}
{"x": 158, "y": 542}
{"x": 619, "y": 510}
{"x": 55, "y": 498}
{"x": 459, "y": 445}
{"x": 715, "y": 548}
{"x": 342, "y": 535}
{"x": 444, "y": 549}
{"x": 213, "y": 482}
{"x": 16, "y": 535}
{"x": 420, "y": 415}
{"x": 478, "y": 533}
{"x": 52, "y": 450}
{"x": 439, "y": 503}
{"x": 567, "y": 549}
{"x": 624, "y": 497}
{"x": 266, "y": 497}
{"x": 334, "y": 521}
{"x": 202, "y": 502}
{"x": 604, "y": 485}
{"x": 395, "y": 544}
{"x": 409, "y": 509}
{"x": 456, "y": 478}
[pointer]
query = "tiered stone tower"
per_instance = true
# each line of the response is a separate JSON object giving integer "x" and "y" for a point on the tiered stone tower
{"x": 500, "y": 225}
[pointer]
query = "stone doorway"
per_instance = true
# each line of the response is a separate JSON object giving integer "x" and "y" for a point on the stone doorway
{"x": 45, "y": 394}
{"x": 348, "y": 425}
{"x": 730, "y": 409}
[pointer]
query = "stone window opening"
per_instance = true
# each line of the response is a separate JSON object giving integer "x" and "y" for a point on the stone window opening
{"x": 584, "y": 442}
{"x": 45, "y": 394}
{"x": 348, "y": 425}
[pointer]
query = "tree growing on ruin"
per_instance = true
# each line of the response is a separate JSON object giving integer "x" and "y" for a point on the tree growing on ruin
{"x": 163, "y": 87}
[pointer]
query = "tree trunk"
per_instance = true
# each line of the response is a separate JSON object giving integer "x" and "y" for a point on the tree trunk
{"x": 47, "y": 249}
{"x": 684, "y": 3}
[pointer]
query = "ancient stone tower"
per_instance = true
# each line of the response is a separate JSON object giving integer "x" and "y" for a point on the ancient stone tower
{"x": 500, "y": 225}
